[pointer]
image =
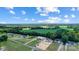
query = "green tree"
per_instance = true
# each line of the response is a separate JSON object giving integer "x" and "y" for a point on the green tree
{"x": 64, "y": 39}
{"x": 3, "y": 38}
{"x": 51, "y": 35}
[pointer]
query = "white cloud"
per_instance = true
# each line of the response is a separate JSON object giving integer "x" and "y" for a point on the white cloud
{"x": 16, "y": 17}
{"x": 47, "y": 21}
{"x": 12, "y": 12}
{"x": 66, "y": 16}
{"x": 39, "y": 9}
{"x": 50, "y": 20}
{"x": 45, "y": 10}
{"x": 3, "y": 22}
{"x": 43, "y": 14}
{"x": 25, "y": 19}
{"x": 73, "y": 9}
{"x": 78, "y": 8}
{"x": 40, "y": 21}
{"x": 51, "y": 9}
{"x": 54, "y": 18}
{"x": 73, "y": 16}
{"x": 33, "y": 19}
{"x": 66, "y": 20}
{"x": 23, "y": 12}
{"x": 9, "y": 8}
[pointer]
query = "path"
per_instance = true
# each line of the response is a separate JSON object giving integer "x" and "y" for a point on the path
{"x": 60, "y": 47}
{"x": 30, "y": 41}
{"x": 2, "y": 49}
{"x": 33, "y": 48}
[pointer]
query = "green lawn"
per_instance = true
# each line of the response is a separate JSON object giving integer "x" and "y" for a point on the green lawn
{"x": 73, "y": 48}
{"x": 33, "y": 43}
{"x": 53, "y": 47}
{"x": 77, "y": 46}
{"x": 3, "y": 44}
{"x": 43, "y": 31}
{"x": 22, "y": 40}
{"x": 16, "y": 46}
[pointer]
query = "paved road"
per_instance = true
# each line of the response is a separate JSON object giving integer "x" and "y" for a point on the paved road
{"x": 66, "y": 47}
{"x": 60, "y": 47}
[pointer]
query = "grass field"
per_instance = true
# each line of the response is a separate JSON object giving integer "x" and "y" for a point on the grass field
{"x": 53, "y": 47}
{"x": 33, "y": 43}
{"x": 14, "y": 43}
{"x": 21, "y": 42}
{"x": 73, "y": 48}
{"x": 16, "y": 46}
{"x": 43, "y": 31}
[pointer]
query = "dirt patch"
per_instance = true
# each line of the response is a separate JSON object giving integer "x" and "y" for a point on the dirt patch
{"x": 43, "y": 45}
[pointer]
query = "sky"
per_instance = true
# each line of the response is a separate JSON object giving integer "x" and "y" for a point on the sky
{"x": 39, "y": 15}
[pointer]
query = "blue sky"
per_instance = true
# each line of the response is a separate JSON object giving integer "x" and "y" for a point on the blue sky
{"x": 27, "y": 15}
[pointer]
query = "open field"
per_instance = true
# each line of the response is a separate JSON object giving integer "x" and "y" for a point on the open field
{"x": 39, "y": 29}
{"x": 25, "y": 39}
{"x": 33, "y": 43}
{"x": 53, "y": 47}
{"x": 43, "y": 31}
{"x": 15, "y": 44}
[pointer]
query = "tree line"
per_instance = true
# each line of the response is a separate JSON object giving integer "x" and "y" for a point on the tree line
{"x": 63, "y": 34}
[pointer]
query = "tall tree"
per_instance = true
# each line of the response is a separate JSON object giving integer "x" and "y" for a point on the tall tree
{"x": 3, "y": 38}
